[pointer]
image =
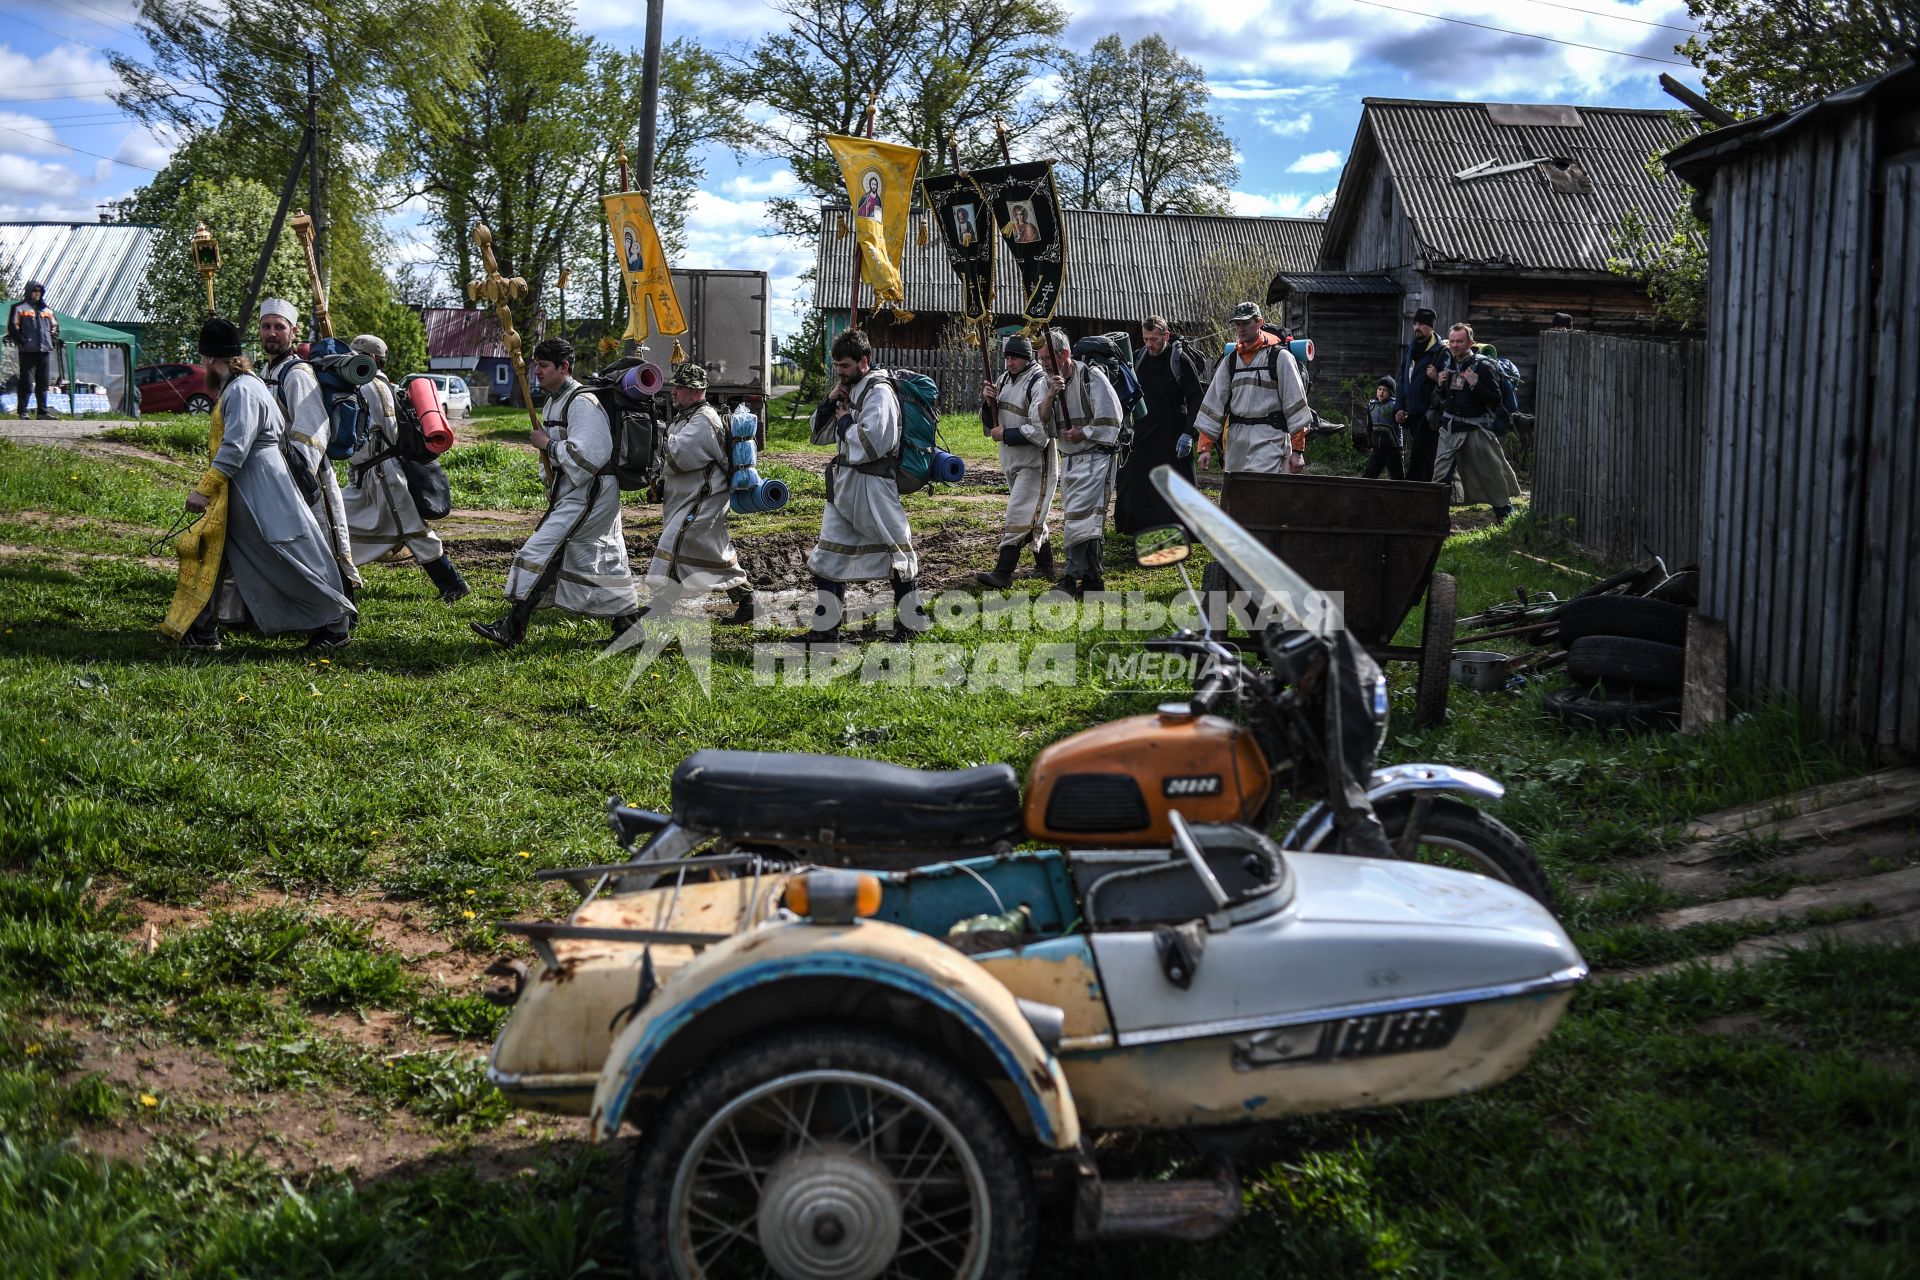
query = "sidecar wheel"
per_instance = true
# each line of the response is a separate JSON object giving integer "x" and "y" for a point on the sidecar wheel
{"x": 1455, "y": 834}
{"x": 836, "y": 1152}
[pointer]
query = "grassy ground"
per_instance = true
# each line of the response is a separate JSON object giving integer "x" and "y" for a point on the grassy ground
{"x": 323, "y": 848}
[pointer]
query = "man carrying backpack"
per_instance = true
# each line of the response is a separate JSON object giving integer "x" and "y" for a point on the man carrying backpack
{"x": 1469, "y": 398}
{"x": 1171, "y": 385}
{"x": 576, "y": 558}
{"x": 695, "y": 483}
{"x": 1256, "y": 390}
{"x": 1027, "y": 458}
{"x": 1084, "y": 410}
{"x": 381, "y": 513}
{"x": 863, "y": 530}
{"x": 296, "y": 386}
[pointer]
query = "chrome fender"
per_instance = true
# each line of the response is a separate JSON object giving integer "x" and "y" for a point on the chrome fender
{"x": 885, "y": 956}
{"x": 1315, "y": 827}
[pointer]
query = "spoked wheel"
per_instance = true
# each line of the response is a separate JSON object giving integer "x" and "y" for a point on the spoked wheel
{"x": 200, "y": 404}
{"x": 834, "y": 1153}
{"x": 1447, "y": 832}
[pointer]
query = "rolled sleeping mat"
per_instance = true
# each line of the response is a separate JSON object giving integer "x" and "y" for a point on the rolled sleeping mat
{"x": 744, "y": 454}
{"x": 1301, "y": 348}
{"x": 746, "y": 478}
{"x": 426, "y": 407}
{"x": 947, "y": 468}
{"x": 764, "y": 496}
{"x": 743, "y": 424}
{"x": 643, "y": 380}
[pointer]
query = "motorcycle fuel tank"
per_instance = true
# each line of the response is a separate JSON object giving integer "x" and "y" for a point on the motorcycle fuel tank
{"x": 1113, "y": 785}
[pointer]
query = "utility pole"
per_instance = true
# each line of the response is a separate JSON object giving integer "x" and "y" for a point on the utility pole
{"x": 649, "y": 96}
{"x": 316, "y": 188}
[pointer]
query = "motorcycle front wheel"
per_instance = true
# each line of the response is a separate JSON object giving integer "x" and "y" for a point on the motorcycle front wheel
{"x": 1451, "y": 833}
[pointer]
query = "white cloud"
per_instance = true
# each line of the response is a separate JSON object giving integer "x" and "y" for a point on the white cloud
{"x": 1316, "y": 162}
{"x": 1286, "y": 124}
{"x": 778, "y": 182}
{"x": 148, "y": 147}
{"x": 64, "y": 72}
{"x": 30, "y": 179}
{"x": 722, "y": 232}
{"x": 1281, "y": 204}
{"x": 29, "y": 134}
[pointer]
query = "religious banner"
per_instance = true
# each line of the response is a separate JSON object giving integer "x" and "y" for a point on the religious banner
{"x": 643, "y": 266}
{"x": 965, "y": 220}
{"x": 1026, "y": 209}
{"x": 879, "y": 178}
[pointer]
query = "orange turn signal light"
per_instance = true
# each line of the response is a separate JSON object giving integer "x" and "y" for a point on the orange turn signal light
{"x": 833, "y": 897}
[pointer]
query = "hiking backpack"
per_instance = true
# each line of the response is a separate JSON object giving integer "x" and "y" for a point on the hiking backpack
{"x": 639, "y": 434}
{"x": 1112, "y": 354}
{"x": 1508, "y": 375}
{"x": 919, "y": 428}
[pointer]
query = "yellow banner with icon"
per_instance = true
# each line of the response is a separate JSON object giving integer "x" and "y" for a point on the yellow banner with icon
{"x": 643, "y": 266}
{"x": 879, "y": 178}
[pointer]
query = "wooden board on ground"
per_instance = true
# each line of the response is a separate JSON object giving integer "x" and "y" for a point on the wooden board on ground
{"x": 1747, "y": 817}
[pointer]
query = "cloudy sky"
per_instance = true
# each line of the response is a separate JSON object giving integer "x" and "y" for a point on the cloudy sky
{"x": 1287, "y": 81}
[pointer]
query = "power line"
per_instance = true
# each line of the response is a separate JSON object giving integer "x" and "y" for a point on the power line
{"x": 1616, "y": 17}
{"x": 76, "y": 150}
{"x": 1527, "y": 35}
{"x": 65, "y": 39}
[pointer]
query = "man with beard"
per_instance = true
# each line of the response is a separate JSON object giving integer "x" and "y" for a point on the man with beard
{"x": 381, "y": 512}
{"x": 1256, "y": 391}
{"x": 863, "y": 530}
{"x": 695, "y": 547}
{"x": 1170, "y": 386}
{"x": 1420, "y": 366}
{"x": 296, "y": 385}
{"x": 258, "y": 554}
{"x": 1084, "y": 408}
{"x": 1027, "y": 457}
{"x": 576, "y": 558}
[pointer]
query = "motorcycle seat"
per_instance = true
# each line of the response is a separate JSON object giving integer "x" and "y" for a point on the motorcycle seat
{"x": 827, "y": 803}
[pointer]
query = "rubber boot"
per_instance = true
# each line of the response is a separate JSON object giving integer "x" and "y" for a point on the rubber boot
{"x": 830, "y": 600}
{"x": 510, "y": 630}
{"x": 444, "y": 576}
{"x": 909, "y": 613}
{"x": 742, "y": 615}
{"x": 1043, "y": 562}
{"x": 624, "y": 623}
{"x": 1000, "y": 577}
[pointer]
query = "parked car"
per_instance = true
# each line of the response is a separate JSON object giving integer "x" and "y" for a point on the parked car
{"x": 173, "y": 388}
{"x": 456, "y": 398}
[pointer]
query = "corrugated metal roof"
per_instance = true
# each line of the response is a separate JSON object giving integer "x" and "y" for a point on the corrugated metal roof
{"x": 92, "y": 270}
{"x": 1120, "y": 266}
{"x": 1517, "y": 220}
{"x": 461, "y": 331}
{"x": 1331, "y": 282}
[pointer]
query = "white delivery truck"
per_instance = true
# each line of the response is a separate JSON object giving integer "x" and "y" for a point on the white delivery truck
{"x": 729, "y": 333}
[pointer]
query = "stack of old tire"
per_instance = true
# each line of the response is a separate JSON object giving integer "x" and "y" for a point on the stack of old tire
{"x": 1627, "y": 658}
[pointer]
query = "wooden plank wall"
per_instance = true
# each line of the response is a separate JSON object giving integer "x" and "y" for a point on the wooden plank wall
{"x": 1618, "y": 442}
{"x": 1887, "y": 667}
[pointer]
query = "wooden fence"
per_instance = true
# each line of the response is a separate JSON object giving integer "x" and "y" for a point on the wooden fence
{"x": 955, "y": 368}
{"x": 1617, "y": 442}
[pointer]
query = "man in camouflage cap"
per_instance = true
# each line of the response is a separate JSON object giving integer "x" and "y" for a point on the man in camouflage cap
{"x": 696, "y": 485}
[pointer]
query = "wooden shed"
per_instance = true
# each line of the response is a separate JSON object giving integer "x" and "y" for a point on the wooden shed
{"x": 1810, "y": 492}
{"x": 1499, "y": 214}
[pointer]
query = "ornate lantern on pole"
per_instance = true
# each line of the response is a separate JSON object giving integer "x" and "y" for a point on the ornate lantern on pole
{"x": 206, "y": 260}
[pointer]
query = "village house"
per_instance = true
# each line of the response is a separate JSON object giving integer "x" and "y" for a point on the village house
{"x": 1492, "y": 213}
{"x": 1121, "y": 267}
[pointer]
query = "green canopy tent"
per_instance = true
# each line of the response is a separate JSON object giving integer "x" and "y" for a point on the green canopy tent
{"x": 94, "y": 353}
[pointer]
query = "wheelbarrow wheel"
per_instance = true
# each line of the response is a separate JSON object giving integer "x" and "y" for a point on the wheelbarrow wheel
{"x": 829, "y": 1152}
{"x": 1436, "y": 652}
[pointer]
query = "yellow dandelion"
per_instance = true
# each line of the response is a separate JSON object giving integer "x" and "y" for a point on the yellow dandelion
{"x": 240, "y": 697}
{"x": 326, "y": 662}
{"x": 33, "y": 1050}
{"x": 148, "y": 1100}
{"x": 469, "y": 893}
{"x": 524, "y": 854}
{"x": 467, "y": 914}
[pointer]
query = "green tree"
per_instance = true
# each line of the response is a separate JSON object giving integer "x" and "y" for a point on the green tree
{"x": 938, "y": 73}
{"x": 1758, "y": 56}
{"x": 238, "y": 212}
{"x": 1132, "y": 130}
{"x": 523, "y": 138}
